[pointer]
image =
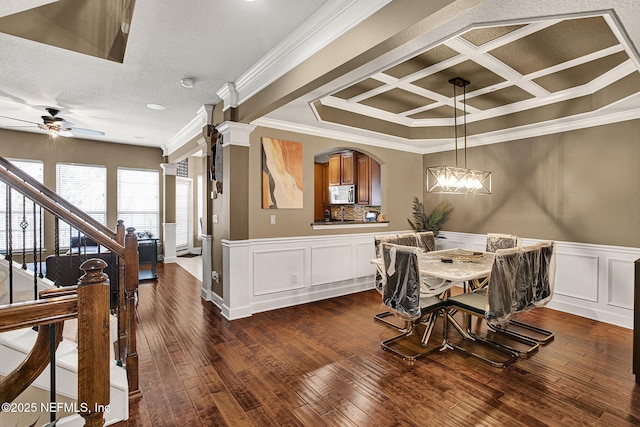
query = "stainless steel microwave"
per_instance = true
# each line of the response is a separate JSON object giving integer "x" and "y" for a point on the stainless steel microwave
{"x": 342, "y": 194}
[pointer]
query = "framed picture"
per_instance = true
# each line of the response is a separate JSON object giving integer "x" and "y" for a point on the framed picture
{"x": 281, "y": 174}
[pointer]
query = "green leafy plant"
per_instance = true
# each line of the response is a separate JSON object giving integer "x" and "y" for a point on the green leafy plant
{"x": 434, "y": 220}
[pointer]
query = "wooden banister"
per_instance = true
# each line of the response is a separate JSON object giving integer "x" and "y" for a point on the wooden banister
{"x": 38, "y": 312}
{"x": 93, "y": 342}
{"x": 62, "y": 304}
{"x": 65, "y": 306}
{"x": 122, "y": 311}
{"x": 50, "y": 194}
{"x": 131, "y": 289}
{"x": 31, "y": 367}
{"x": 61, "y": 212}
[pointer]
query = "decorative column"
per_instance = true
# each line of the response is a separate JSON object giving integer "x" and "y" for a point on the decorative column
{"x": 169, "y": 225}
{"x": 236, "y": 291}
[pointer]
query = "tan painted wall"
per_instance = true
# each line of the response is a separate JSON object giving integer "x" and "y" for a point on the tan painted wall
{"x": 23, "y": 145}
{"x": 579, "y": 186}
{"x": 401, "y": 182}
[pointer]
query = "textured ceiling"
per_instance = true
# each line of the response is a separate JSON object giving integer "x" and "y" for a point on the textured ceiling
{"x": 519, "y": 75}
{"x": 70, "y": 55}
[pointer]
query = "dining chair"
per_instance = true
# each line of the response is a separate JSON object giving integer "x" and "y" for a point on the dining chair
{"x": 408, "y": 239}
{"x": 534, "y": 288}
{"x": 496, "y": 241}
{"x": 377, "y": 241}
{"x": 384, "y": 316}
{"x": 496, "y": 304}
{"x": 401, "y": 295}
{"x": 546, "y": 280}
{"x": 427, "y": 240}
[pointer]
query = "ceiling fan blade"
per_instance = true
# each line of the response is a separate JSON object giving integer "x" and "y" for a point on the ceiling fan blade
{"x": 20, "y": 120}
{"x": 81, "y": 131}
{"x": 64, "y": 133}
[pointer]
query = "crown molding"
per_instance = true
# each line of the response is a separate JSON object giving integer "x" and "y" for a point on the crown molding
{"x": 565, "y": 124}
{"x": 329, "y": 22}
{"x": 187, "y": 133}
{"x": 383, "y": 141}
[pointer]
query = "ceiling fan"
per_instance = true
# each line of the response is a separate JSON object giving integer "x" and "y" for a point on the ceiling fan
{"x": 56, "y": 125}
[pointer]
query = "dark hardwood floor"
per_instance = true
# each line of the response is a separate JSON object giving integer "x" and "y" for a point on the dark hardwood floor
{"x": 321, "y": 364}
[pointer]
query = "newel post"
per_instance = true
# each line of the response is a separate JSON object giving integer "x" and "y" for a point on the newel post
{"x": 93, "y": 342}
{"x": 131, "y": 289}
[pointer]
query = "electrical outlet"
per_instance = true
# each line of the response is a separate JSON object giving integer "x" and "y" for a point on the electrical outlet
{"x": 273, "y": 219}
{"x": 215, "y": 219}
{"x": 294, "y": 278}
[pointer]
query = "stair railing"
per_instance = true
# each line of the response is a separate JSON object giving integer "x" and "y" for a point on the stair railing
{"x": 123, "y": 244}
{"x": 89, "y": 302}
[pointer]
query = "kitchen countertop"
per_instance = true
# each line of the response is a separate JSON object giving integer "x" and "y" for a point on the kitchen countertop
{"x": 321, "y": 224}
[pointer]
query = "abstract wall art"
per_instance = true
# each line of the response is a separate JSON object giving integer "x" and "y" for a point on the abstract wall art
{"x": 281, "y": 174}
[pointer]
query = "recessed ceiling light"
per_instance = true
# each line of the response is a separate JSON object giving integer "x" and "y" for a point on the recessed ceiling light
{"x": 158, "y": 107}
{"x": 188, "y": 83}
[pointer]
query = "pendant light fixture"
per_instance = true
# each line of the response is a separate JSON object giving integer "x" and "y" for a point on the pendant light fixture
{"x": 458, "y": 180}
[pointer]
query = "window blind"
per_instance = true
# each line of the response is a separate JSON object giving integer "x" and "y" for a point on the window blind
{"x": 85, "y": 186}
{"x": 139, "y": 200}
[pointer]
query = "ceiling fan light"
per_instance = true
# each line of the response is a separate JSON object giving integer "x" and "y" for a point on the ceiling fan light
{"x": 187, "y": 83}
{"x": 157, "y": 107}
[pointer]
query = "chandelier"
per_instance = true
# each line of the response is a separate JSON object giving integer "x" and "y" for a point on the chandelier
{"x": 458, "y": 180}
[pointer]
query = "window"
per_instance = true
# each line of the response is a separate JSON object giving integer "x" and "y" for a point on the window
{"x": 184, "y": 210}
{"x": 138, "y": 200}
{"x": 85, "y": 186}
{"x": 21, "y": 209}
{"x": 183, "y": 168}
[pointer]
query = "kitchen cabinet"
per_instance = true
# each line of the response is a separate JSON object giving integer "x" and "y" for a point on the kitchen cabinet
{"x": 325, "y": 184}
{"x": 368, "y": 183}
{"x": 342, "y": 168}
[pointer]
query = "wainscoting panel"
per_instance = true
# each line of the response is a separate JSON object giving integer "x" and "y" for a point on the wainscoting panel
{"x": 593, "y": 281}
{"x": 265, "y": 274}
{"x": 619, "y": 272}
{"x": 365, "y": 252}
{"x": 576, "y": 276}
{"x": 331, "y": 264}
{"x": 288, "y": 276}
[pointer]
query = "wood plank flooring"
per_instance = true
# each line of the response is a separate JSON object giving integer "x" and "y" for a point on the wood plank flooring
{"x": 321, "y": 364}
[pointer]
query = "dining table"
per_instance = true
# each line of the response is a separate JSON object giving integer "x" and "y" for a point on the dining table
{"x": 453, "y": 267}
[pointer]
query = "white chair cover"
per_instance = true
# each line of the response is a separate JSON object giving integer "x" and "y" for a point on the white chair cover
{"x": 547, "y": 277}
{"x": 427, "y": 240}
{"x": 501, "y": 290}
{"x": 497, "y": 241}
{"x": 401, "y": 292}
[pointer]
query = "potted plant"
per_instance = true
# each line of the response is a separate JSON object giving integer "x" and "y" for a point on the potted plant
{"x": 434, "y": 220}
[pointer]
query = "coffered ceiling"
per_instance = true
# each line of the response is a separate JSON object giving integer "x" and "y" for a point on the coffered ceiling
{"x": 520, "y": 74}
{"x": 534, "y": 67}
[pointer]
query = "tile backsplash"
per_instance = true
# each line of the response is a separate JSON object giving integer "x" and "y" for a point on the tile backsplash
{"x": 352, "y": 212}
